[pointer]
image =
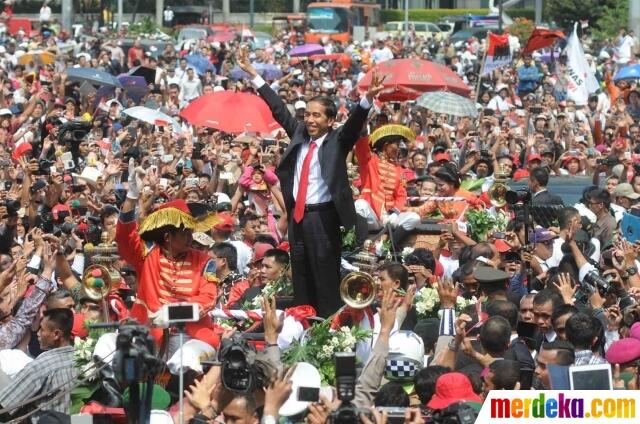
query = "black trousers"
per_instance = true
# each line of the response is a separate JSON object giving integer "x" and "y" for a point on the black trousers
{"x": 315, "y": 245}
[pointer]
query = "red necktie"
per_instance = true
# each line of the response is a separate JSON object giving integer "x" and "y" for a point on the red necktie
{"x": 301, "y": 198}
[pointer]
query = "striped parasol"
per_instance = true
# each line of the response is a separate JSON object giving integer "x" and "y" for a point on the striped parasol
{"x": 448, "y": 103}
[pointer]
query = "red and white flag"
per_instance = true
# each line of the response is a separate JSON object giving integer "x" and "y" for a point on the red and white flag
{"x": 498, "y": 53}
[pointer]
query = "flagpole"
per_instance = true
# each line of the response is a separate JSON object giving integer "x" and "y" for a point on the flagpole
{"x": 484, "y": 59}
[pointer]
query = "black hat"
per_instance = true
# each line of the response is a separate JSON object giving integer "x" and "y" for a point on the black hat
{"x": 449, "y": 174}
{"x": 491, "y": 279}
{"x": 489, "y": 275}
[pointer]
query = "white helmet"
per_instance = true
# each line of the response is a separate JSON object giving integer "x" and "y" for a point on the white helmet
{"x": 406, "y": 356}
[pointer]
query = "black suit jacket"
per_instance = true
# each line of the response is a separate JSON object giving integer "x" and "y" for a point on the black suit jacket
{"x": 332, "y": 155}
{"x": 546, "y": 198}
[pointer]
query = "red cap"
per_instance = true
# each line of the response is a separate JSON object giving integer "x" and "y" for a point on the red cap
{"x": 533, "y": 156}
{"x": 439, "y": 157}
{"x": 79, "y": 330}
{"x": 20, "y": 150}
{"x": 179, "y": 204}
{"x": 623, "y": 351}
{"x": 452, "y": 387}
{"x": 568, "y": 159}
{"x": 259, "y": 249}
{"x": 60, "y": 208}
{"x": 502, "y": 246}
{"x": 225, "y": 224}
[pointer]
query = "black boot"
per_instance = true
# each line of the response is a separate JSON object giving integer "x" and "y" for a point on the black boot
{"x": 362, "y": 231}
{"x": 399, "y": 235}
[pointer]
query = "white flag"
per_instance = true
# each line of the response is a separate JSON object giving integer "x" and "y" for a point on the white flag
{"x": 580, "y": 80}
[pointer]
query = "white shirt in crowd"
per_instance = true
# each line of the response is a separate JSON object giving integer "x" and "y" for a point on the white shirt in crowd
{"x": 381, "y": 55}
{"x": 190, "y": 88}
{"x": 168, "y": 15}
{"x": 45, "y": 13}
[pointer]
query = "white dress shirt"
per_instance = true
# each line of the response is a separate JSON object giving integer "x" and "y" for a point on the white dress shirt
{"x": 317, "y": 190}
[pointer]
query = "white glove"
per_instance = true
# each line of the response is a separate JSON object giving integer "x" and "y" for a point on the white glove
{"x": 135, "y": 180}
{"x": 156, "y": 319}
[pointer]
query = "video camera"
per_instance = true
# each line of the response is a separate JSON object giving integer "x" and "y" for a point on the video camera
{"x": 74, "y": 131}
{"x": 519, "y": 196}
{"x": 241, "y": 373}
{"x": 347, "y": 413}
{"x": 135, "y": 358}
{"x": 457, "y": 413}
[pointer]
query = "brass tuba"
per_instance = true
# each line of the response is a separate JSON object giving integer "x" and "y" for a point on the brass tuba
{"x": 358, "y": 289}
{"x": 96, "y": 282}
{"x": 499, "y": 188}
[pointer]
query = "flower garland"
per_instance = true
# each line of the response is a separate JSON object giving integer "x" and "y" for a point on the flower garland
{"x": 281, "y": 287}
{"x": 427, "y": 303}
{"x": 319, "y": 345}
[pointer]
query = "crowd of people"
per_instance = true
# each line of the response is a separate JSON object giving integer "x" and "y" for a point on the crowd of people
{"x": 474, "y": 289}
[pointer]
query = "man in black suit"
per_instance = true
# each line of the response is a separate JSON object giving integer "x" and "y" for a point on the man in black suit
{"x": 538, "y": 180}
{"x": 317, "y": 195}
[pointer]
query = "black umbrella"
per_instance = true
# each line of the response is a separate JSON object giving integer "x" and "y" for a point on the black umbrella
{"x": 143, "y": 71}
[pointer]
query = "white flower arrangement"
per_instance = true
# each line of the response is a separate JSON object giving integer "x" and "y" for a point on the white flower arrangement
{"x": 343, "y": 340}
{"x": 83, "y": 356}
{"x": 407, "y": 251}
{"x": 427, "y": 302}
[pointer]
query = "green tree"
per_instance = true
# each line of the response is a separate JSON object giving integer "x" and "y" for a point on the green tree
{"x": 566, "y": 12}
{"x": 522, "y": 28}
{"x": 613, "y": 19}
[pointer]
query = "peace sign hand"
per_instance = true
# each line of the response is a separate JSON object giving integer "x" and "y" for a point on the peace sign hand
{"x": 376, "y": 86}
{"x": 242, "y": 57}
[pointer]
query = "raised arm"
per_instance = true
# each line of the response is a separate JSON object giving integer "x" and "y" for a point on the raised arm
{"x": 277, "y": 106}
{"x": 351, "y": 129}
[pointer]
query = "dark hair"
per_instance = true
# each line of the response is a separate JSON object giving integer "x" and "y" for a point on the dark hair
{"x": 562, "y": 310}
{"x": 278, "y": 255}
{"x": 481, "y": 249}
{"x": 62, "y": 319}
{"x": 600, "y": 195}
{"x": 396, "y": 271}
{"x": 419, "y": 153}
{"x": 57, "y": 295}
{"x": 495, "y": 335}
{"x": 581, "y": 331}
{"x": 540, "y": 175}
{"x": 330, "y": 109}
{"x": 391, "y": 394}
{"x": 428, "y": 330}
{"x": 426, "y": 258}
{"x": 548, "y": 295}
{"x": 266, "y": 239}
{"x": 227, "y": 251}
{"x": 425, "y": 382}
{"x": 505, "y": 309}
{"x": 565, "y": 216}
{"x": 566, "y": 354}
{"x": 506, "y": 374}
{"x": 467, "y": 269}
{"x": 247, "y": 217}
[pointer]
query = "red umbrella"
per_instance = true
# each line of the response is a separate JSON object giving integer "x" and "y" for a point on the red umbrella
{"x": 222, "y": 37}
{"x": 231, "y": 112}
{"x": 407, "y": 79}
